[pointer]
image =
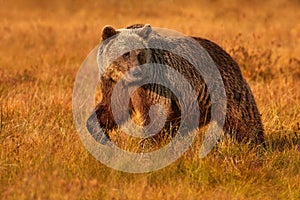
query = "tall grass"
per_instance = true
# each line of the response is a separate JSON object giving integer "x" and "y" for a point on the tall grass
{"x": 42, "y": 44}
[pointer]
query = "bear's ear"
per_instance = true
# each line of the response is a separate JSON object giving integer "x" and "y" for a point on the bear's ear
{"x": 145, "y": 31}
{"x": 108, "y": 32}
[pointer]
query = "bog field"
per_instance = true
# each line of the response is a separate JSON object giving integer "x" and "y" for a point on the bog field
{"x": 42, "y": 45}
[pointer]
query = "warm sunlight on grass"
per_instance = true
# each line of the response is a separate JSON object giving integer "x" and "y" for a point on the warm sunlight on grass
{"x": 42, "y": 45}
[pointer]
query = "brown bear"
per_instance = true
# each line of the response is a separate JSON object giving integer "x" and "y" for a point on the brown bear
{"x": 242, "y": 121}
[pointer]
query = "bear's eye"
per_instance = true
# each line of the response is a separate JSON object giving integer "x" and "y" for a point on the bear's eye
{"x": 126, "y": 55}
{"x": 142, "y": 58}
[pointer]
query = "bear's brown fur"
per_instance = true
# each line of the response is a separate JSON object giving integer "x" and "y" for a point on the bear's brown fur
{"x": 242, "y": 122}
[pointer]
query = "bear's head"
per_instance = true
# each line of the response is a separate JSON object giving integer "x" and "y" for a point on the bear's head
{"x": 124, "y": 51}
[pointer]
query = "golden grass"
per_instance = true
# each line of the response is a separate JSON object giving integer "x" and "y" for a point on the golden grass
{"x": 43, "y": 43}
